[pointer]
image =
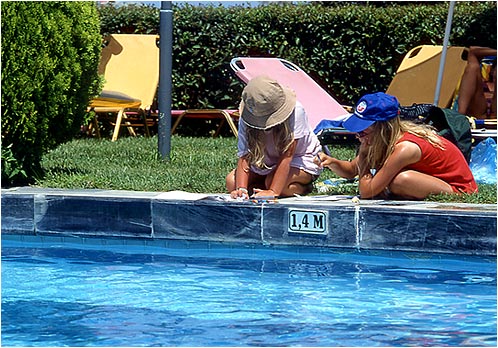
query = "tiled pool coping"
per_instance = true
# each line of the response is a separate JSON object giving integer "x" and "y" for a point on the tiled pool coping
{"x": 468, "y": 229}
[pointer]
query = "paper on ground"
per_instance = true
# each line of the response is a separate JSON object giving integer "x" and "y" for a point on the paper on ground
{"x": 189, "y": 196}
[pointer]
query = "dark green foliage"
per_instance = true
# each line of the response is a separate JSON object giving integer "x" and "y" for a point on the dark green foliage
{"x": 478, "y": 29}
{"x": 349, "y": 49}
{"x": 11, "y": 169}
{"x": 129, "y": 19}
{"x": 50, "y": 53}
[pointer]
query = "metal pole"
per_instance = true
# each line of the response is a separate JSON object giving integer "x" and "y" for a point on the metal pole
{"x": 165, "y": 85}
{"x": 443, "y": 53}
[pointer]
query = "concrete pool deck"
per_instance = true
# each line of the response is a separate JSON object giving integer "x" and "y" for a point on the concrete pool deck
{"x": 316, "y": 221}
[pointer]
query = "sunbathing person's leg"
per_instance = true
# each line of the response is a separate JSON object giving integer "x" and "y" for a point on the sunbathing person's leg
{"x": 471, "y": 99}
{"x": 493, "y": 101}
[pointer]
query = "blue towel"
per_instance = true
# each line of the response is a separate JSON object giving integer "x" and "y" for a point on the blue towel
{"x": 324, "y": 124}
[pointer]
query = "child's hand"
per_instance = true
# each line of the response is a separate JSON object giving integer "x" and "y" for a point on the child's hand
{"x": 266, "y": 194}
{"x": 239, "y": 193}
{"x": 322, "y": 159}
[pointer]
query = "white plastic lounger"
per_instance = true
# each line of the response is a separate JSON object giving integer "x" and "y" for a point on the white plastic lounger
{"x": 319, "y": 105}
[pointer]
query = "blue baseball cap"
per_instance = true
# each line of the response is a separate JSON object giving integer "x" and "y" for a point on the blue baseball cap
{"x": 371, "y": 108}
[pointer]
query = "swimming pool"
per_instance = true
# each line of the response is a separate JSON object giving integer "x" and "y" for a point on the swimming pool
{"x": 104, "y": 293}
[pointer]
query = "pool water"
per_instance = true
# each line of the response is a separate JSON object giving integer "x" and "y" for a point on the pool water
{"x": 188, "y": 294}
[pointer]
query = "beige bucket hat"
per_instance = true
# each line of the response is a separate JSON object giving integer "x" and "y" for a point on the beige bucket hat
{"x": 266, "y": 103}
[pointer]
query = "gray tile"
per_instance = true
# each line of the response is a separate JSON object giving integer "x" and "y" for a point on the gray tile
{"x": 206, "y": 221}
{"x": 111, "y": 217}
{"x": 282, "y": 225}
{"x": 436, "y": 231}
{"x": 140, "y": 217}
{"x": 18, "y": 214}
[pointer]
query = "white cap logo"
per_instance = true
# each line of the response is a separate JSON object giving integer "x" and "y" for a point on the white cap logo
{"x": 361, "y": 107}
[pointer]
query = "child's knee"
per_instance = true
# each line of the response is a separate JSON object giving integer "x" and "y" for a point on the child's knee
{"x": 230, "y": 181}
{"x": 300, "y": 189}
{"x": 400, "y": 183}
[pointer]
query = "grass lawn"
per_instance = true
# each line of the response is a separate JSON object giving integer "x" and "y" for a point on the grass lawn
{"x": 197, "y": 164}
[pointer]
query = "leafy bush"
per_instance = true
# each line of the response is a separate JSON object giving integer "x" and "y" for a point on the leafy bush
{"x": 50, "y": 55}
{"x": 11, "y": 168}
{"x": 129, "y": 19}
{"x": 349, "y": 49}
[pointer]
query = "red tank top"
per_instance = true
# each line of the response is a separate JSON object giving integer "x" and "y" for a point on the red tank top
{"x": 448, "y": 165}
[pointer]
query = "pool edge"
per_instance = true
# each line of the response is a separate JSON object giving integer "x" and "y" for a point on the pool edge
{"x": 468, "y": 229}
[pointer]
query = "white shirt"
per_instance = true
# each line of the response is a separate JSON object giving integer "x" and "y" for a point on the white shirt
{"x": 307, "y": 145}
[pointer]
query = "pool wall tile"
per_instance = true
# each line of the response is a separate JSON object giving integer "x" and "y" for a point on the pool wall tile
{"x": 206, "y": 221}
{"x": 341, "y": 230}
{"x": 18, "y": 214}
{"x": 431, "y": 230}
{"x": 138, "y": 217}
{"x": 90, "y": 216}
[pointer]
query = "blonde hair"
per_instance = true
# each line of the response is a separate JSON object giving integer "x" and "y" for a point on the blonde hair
{"x": 387, "y": 135}
{"x": 283, "y": 136}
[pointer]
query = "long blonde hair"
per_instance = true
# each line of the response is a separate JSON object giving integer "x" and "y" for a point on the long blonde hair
{"x": 283, "y": 136}
{"x": 387, "y": 134}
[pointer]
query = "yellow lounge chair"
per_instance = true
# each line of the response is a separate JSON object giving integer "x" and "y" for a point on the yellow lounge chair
{"x": 130, "y": 65}
{"x": 416, "y": 77}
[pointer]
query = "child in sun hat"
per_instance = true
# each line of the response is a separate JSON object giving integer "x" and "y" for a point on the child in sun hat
{"x": 276, "y": 145}
{"x": 398, "y": 158}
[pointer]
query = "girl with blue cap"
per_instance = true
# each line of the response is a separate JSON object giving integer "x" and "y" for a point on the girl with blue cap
{"x": 398, "y": 158}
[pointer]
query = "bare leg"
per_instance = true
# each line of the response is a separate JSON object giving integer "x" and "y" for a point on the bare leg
{"x": 493, "y": 103}
{"x": 411, "y": 184}
{"x": 471, "y": 99}
{"x": 230, "y": 181}
{"x": 255, "y": 181}
{"x": 298, "y": 182}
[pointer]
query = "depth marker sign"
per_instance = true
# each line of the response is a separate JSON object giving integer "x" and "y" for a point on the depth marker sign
{"x": 308, "y": 221}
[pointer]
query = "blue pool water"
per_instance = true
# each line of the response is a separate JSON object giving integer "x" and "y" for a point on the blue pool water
{"x": 201, "y": 294}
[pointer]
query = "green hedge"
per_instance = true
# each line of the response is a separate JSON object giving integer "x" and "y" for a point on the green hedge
{"x": 50, "y": 55}
{"x": 349, "y": 49}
